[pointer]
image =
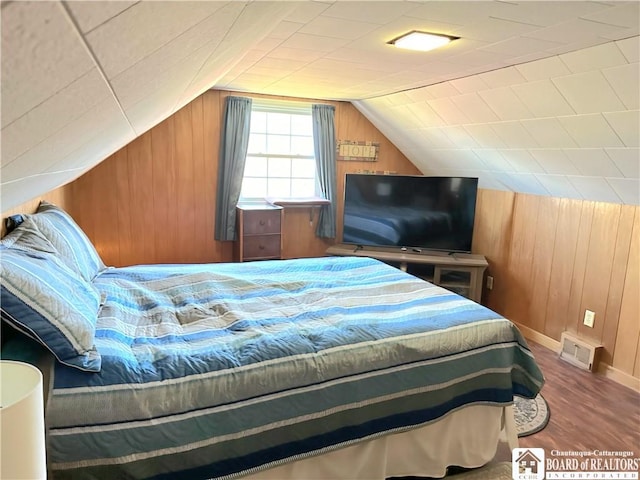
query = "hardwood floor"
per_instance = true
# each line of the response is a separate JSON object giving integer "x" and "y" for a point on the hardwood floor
{"x": 588, "y": 411}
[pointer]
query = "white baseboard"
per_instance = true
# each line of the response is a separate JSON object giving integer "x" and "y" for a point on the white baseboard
{"x": 605, "y": 369}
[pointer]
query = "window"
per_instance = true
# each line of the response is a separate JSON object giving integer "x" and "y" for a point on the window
{"x": 280, "y": 158}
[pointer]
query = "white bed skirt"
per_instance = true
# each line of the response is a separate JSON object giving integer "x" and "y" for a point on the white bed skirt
{"x": 469, "y": 437}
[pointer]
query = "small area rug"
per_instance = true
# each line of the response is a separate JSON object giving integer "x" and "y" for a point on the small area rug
{"x": 531, "y": 415}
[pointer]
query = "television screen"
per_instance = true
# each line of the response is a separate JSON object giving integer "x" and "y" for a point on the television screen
{"x": 417, "y": 212}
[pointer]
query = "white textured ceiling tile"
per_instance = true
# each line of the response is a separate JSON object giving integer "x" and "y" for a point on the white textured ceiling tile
{"x": 626, "y": 159}
{"x": 519, "y": 47}
{"x": 625, "y": 80}
{"x": 548, "y": 13}
{"x": 522, "y": 161}
{"x": 437, "y": 137}
{"x": 442, "y": 90}
{"x": 623, "y": 14}
{"x": 15, "y": 193}
{"x": 549, "y": 133}
{"x": 494, "y": 29}
{"x": 554, "y": 161}
{"x": 372, "y": 12}
{"x": 419, "y": 94}
{"x": 588, "y": 93}
{"x": 626, "y": 125}
{"x": 593, "y": 162}
{"x": 526, "y": 183}
{"x": 350, "y": 29}
{"x": 494, "y": 160}
{"x": 459, "y": 137}
{"x": 469, "y": 84}
{"x": 90, "y": 14}
{"x": 543, "y": 69}
{"x": 503, "y": 77}
{"x": 448, "y": 111}
{"x": 489, "y": 182}
{"x": 306, "y": 11}
{"x": 484, "y": 135}
{"x": 505, "y": 103}
{"x": 68, "y": 139}
{"x": 425, "y": 114}
{"x": 142, "y": 29}
{"x": 575, "y": 30}
{"x": 585, "y": 42}
{"x": 593, "y": 58}
{"x": 590, "y": 131}
{"x": 543, "y": 99}
{"x": 475, "y": 108}
{"x": 630, "y": 48}
{"x": 514, "y": 135}
{"x": 41, "y": 55}
{"x": 559, "y": 186}
{"x": 465, "y": 160}
{"x": 52, "y": 114}
{"x": 595, "y": 188}
{"x": 628, "y": 189}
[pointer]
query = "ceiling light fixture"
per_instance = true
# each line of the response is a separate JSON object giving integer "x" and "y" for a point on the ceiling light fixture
{"x": 422, "y": 41}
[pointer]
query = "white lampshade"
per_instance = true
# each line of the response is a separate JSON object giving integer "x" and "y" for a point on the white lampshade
{"x": 22, "y": 444}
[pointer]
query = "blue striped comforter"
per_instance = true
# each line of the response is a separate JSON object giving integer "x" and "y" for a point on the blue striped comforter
{"x": 212, "y": 371}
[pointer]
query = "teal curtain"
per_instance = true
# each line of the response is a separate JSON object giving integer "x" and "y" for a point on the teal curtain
{"x": 324, "y": 145}
{"x": 234, "y": 141}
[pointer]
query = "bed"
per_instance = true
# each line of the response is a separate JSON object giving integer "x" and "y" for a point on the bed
{"x": 335, "y": 367}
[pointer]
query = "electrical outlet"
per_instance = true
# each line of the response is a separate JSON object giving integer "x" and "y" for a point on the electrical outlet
{"x": 489, "y": 282}
{"x": 589, "y": 318}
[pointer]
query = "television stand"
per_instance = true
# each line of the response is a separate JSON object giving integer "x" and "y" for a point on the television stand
{"x": 462, "y": 273}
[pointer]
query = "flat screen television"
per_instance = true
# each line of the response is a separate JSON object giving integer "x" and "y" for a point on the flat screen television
{"x": 409, "y": 211}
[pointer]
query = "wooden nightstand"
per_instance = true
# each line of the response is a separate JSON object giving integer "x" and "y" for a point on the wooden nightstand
{"x": 259, "y": 231}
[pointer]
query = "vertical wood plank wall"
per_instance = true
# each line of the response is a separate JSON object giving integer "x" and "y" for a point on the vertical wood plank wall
{"x": 553, "y": 258}
{"x": 153, "y": 202}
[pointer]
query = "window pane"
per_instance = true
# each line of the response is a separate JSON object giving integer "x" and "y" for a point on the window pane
{"x": 255, "y": 167}
{"x": 279, "y": 123}
{"x": 279, "y": 144}
{"x": 303, "y": 167}
{"x": 303, "y": 187}
{"x": 302, "y": 145}
{"x": 257, "y": 143}
{"x": 301, "y": 125}
{"x": 279, "y": 167}
{"x": 258, "y": 122}
{"x": 279, "y": 187}
{"x": 254, "y": 188}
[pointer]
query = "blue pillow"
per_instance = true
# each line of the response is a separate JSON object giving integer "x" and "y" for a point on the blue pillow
{"x": 43, "y": 298}
{"x": 73, "y": 246}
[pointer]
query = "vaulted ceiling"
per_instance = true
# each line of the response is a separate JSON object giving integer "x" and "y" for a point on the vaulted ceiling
{"x": 536, "y": 97}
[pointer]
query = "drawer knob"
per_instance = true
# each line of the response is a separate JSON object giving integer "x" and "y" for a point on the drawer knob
{"x": 262, "y": 222}
{"x": 261, "y": 247}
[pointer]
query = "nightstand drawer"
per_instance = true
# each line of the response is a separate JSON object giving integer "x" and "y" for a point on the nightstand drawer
{"x": 261, "y": 246}
{"x": 256, "y": 222}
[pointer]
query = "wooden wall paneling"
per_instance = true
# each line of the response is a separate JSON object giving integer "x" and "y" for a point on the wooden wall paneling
{"x": 201, "y": 183}
{"x": 300, "y": 240}
{"x": 580, "y": 260}
{"x": 520, "y": 268}
{"x": 185, "y": 185}
{"x": 545, "y": 236}
{"x": 213, "y": 109}
{"x": 164, "y": 184}
{"x": 611, "y": 317}
{"x": 627, "y": 347}
{"x": 125, "y": 210}
{"x": 564, "y": 250}
{"x": 598, "y": 268}
{"x": 492, "y": 238}
{"x": 141, "y": 199}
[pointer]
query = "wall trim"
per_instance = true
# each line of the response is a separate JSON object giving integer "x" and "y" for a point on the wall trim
{"x": 605, "y": 369}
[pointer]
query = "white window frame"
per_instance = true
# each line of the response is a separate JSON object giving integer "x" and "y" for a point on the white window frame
{"x": 286, "y": 107}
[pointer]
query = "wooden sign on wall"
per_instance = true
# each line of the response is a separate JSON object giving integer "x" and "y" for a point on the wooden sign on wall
{"x": 358, "y": 151}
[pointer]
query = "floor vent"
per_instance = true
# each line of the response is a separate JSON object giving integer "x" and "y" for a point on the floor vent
{"x": 581, "y": 353}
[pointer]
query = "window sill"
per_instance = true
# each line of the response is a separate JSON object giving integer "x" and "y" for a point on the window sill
{"x": 288, "y": 202}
